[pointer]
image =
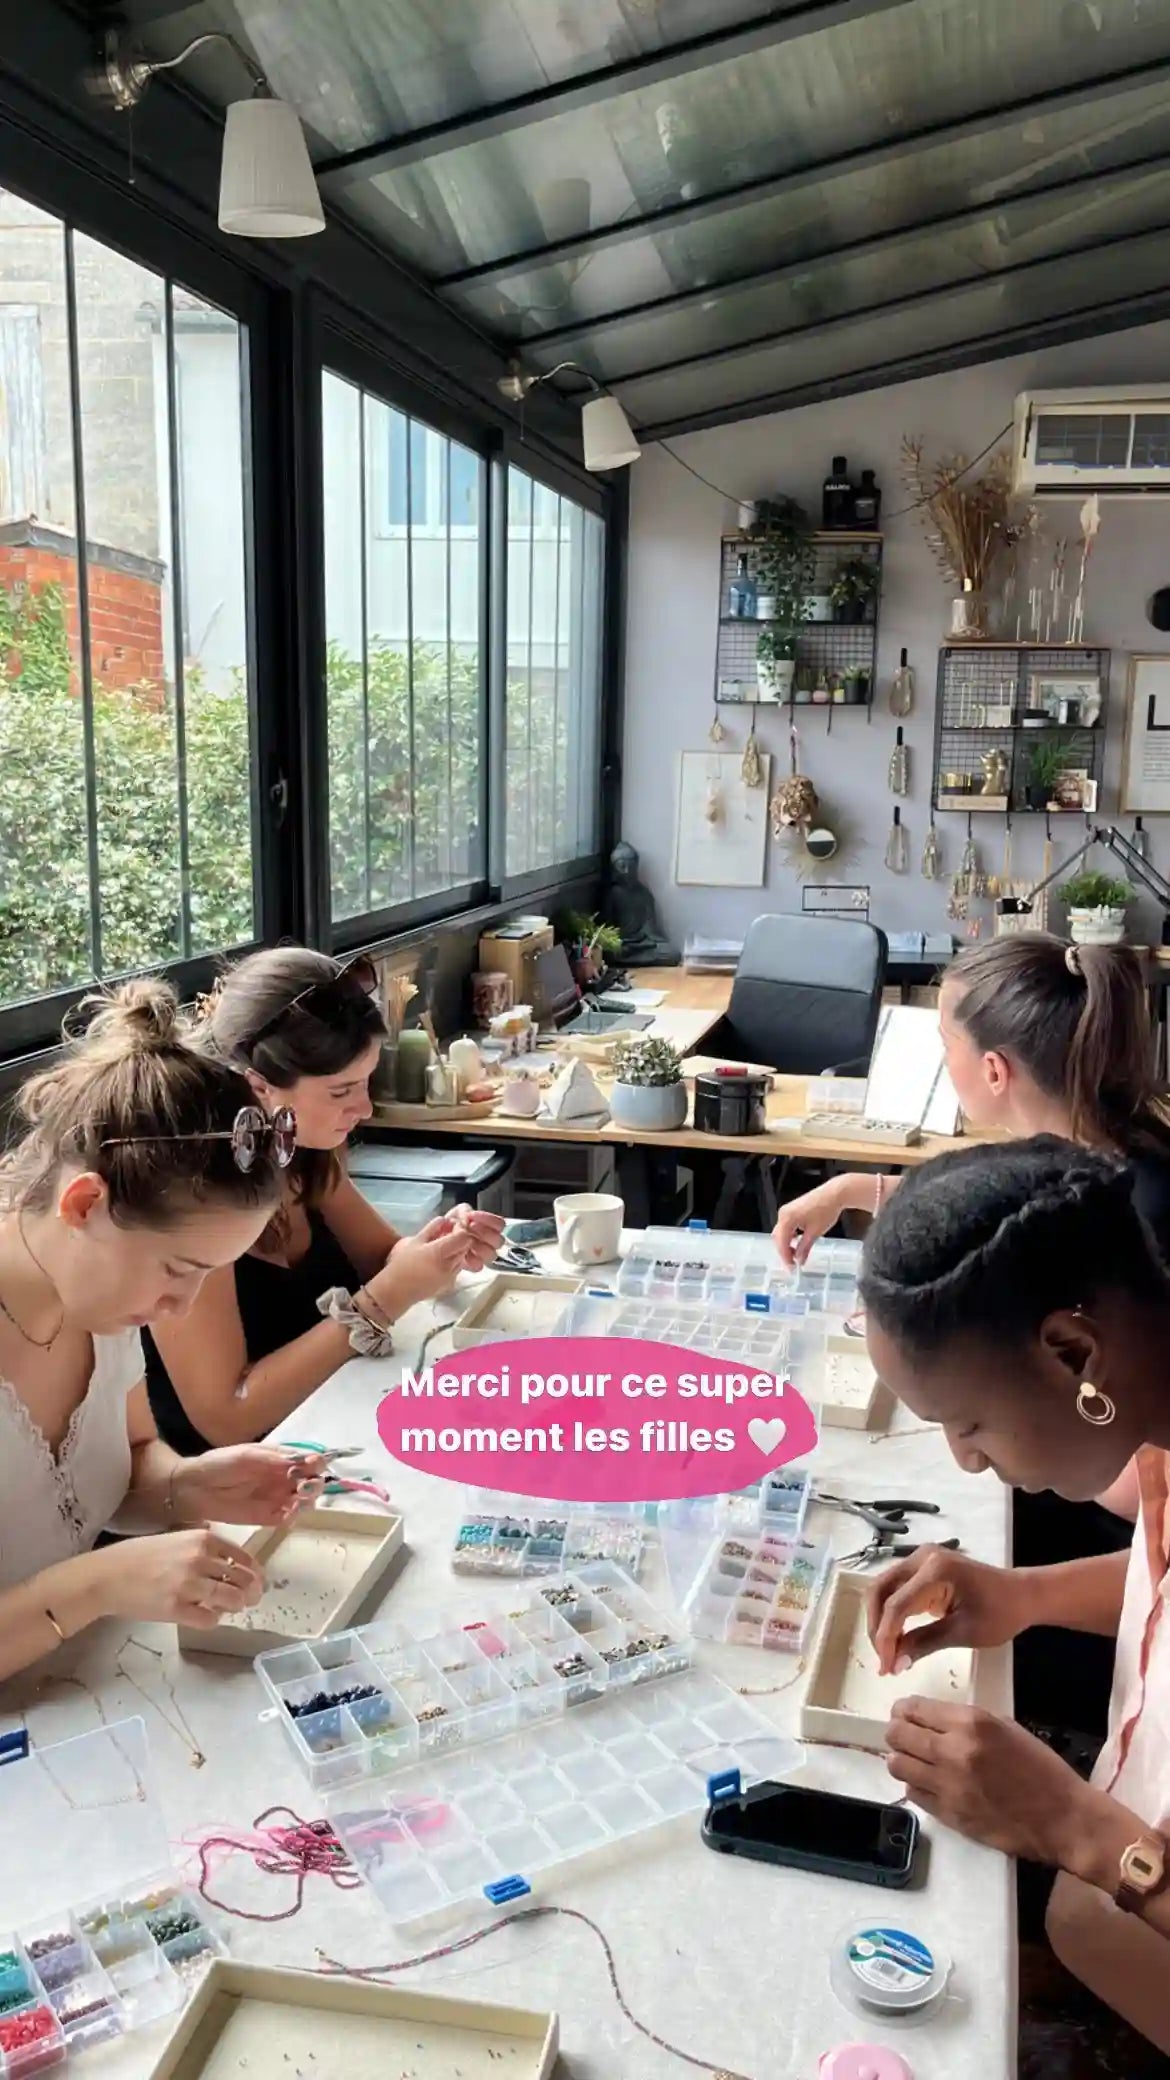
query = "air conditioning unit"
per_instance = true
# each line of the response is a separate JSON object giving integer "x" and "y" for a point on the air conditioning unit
{"x": 1071, "y": 442}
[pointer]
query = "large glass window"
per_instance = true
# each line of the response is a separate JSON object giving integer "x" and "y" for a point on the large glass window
{"x": 126, "y": 835}
{"x": 403, "y": 595}
{"x": 553, "y": 702}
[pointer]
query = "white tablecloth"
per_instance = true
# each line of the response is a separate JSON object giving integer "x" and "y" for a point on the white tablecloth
{"x": 723, "y": 1957}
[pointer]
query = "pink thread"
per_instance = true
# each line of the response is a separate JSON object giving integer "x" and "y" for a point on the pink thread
{"x": 300, "y": 1850}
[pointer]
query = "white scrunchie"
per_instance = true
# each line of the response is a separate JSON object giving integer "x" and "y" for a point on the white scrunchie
{"x": 365, "y": 1338}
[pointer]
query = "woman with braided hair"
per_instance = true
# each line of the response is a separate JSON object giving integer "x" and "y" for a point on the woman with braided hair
{"x": 1013, "y": 1294}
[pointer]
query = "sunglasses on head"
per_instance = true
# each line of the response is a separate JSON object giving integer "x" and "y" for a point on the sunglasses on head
{"x": 358, "y": 978}
{"x": 248, "y": 1132}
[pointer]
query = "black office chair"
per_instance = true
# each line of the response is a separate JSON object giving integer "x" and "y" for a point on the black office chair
{"x": 806, "y": 996}
{"x": 805, "y": 1000}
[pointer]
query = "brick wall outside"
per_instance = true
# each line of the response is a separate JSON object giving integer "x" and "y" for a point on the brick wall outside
{"x": 125, "y": 610}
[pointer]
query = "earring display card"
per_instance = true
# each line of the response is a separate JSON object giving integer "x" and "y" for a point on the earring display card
{"x": 847, "y": 1701}
{"x": 319, "y": 1571}
{"x": 447, "y": 1832}
{"x": 498, "y": 1536}
{"x": 368, "y": 1701}
{"x": 269, "y": 2024}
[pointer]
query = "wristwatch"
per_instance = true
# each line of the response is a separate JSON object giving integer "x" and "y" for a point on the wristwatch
{"x": 1141, "y": 1873}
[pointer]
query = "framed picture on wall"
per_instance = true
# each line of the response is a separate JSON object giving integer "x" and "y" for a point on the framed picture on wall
{"x": 722, "y": 830}
{"x": 1071, "y": 698}
{"x": 1145, "y": 756}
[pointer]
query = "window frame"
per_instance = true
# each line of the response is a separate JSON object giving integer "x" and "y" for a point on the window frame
{"x": 88, "y": 207}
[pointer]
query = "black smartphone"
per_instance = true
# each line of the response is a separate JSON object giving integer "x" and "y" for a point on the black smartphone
{"x": 816, "y": 1831}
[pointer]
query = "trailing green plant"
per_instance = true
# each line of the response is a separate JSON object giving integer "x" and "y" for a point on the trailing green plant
{"x": 855, "y": 584}
{"x": 646, "y": 1062}
{"x": 775, "y": 645}
{"x": 1095, "y": 891}
{"x": 783, "y": 559}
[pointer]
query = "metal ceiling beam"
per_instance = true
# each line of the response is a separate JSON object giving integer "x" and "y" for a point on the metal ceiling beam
{"x": 852, "y": 249}
{"x": 1087, "y": 322}
{"x": 986, "y": 121}
{"x": 652, "y": 69}
{"x": 893, "y": 306}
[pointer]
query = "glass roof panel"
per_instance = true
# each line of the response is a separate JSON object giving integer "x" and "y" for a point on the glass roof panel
{"x": 955, "y": 318}
{"x": 1009, "y": 238}
{"x": 363, "y": 70}
{"x": 991, "y": 168}
{"x": 841, "y": 89}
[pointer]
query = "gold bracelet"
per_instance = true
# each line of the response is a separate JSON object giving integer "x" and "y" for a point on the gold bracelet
{"x": 53, "y": 1622}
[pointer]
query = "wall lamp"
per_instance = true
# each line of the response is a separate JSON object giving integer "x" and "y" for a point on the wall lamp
{"x": 267, "y": 188}
{"x": 606, "y": 434}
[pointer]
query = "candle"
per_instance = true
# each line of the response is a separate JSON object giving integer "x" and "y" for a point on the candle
{"x": 414, "y": 1058}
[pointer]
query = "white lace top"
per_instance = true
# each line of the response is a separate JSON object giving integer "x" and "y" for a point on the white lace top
{"x": 53, "y": 1506}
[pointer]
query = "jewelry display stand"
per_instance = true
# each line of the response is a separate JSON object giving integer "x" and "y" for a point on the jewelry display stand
{"x": 74, "y": 1973}
{"x": 272, "y": 2023}
{"x": 321, "y": 1569}
{"x": 847, "y": 1701}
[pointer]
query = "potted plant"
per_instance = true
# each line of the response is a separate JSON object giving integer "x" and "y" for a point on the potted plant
{"x": 648, "y": 1090}
{"x": 592, "y": 946}
{"x": 854, "y": 590}
{"x": 1045, "y": 766}
{"x": 1096, "y": 906}
{"x": 783, "y": 564}
{"x": 857, "y": 679}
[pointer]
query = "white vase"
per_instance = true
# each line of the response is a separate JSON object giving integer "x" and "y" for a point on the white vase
{"x": 653, "y": 1108}
{"x": 774, "y": 677}
{"x": 1096, "y": 927}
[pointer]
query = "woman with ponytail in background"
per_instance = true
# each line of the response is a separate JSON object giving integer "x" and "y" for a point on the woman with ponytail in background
{"x": 144, "y": 1166}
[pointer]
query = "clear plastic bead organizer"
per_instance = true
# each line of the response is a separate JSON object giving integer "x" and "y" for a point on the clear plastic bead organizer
{"x": 378, "y": 1698}
{"x": 75, "y": 1973}
{"x": 732, "y": 1271}
{"x": 737, "y": 1575}
{"x": 501, "y": 1535}
{"x": 783, "y": 1345}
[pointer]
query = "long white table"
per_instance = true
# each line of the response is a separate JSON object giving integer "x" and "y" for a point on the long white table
{"x": 723, "y": 1957}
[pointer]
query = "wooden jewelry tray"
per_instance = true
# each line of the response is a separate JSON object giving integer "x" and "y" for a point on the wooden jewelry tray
{"x": 356, "y": 1546}
{"x": 846, "y": 1701}
{"x": 278, "y": 2024}
{"x": 514, "y": 1304}
{"x": 852, "y": 1396}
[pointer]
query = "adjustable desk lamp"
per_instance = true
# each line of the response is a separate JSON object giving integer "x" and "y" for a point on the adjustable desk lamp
{"x": 1107, "y": 834}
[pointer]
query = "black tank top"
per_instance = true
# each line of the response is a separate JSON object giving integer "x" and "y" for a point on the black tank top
{"x": 277, "y": 1303}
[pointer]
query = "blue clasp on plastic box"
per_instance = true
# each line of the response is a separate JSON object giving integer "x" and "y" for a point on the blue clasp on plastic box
{"x": 725, "y": 1785}
{"x": 13, "y": 1747}
{"x": 501, "y": 1890}
{"x": 757, "y": 1303}
{"x": 696, "y": 1227}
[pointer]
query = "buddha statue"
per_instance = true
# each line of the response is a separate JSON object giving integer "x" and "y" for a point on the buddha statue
{"x": 631, "y": 907}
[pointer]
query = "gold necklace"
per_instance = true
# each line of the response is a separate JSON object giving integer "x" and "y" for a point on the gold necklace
{"x": 38, "y": 1343}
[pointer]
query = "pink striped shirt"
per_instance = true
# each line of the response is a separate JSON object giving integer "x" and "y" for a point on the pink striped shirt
{"x": 1125, "y": 1962}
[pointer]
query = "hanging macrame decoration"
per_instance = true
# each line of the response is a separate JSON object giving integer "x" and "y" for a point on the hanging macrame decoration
{"x": 751, "y": 765}
{"x": 899, "y": 774}
{"x": 968, "y": 884}
{"x": 716, "y": 733}
{"x": 713, "y": 803}
{"x": 902, "y": 688}
{"x": 931, "y": 854}
{"x": 897, "y": 846}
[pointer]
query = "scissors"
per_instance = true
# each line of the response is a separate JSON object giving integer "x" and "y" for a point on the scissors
{"x": 889, "y": 1548}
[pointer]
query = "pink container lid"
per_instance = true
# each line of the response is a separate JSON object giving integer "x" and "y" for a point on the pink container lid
{"x": 863, "y": 2062}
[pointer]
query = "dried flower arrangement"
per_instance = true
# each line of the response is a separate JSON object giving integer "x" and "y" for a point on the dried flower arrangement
{"x": 968, "y": 520}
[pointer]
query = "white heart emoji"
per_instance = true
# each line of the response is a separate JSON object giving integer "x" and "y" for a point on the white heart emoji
{"x": 767, "y": 1432}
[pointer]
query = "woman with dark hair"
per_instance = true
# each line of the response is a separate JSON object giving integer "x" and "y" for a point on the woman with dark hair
{"x": 329, "y": 1277}
{"x": 1039, "y": 1037}
{"x": 1013, "y": 1294}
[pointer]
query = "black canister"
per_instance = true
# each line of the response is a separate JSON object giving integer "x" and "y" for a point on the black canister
{"x": 731, "y": 1101}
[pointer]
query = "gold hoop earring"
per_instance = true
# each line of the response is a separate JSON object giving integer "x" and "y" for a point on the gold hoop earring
{"x": 1100, "y": 1416}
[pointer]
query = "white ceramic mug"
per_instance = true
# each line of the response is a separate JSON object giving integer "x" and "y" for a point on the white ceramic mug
{"x": 589, "y": 1227}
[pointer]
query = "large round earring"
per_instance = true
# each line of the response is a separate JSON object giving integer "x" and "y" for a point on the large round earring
{"x": 1102, "y": 1414}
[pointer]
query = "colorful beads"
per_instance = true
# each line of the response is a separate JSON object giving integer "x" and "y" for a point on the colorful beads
{"x": 32, "y": 2026}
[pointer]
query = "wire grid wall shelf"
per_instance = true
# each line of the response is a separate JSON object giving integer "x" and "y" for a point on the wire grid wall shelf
{"x": 835, "y": 660}
{"x": 998, "y": 711}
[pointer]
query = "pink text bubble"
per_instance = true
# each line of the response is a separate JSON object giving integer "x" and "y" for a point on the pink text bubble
{"x": 593, "y": 1419}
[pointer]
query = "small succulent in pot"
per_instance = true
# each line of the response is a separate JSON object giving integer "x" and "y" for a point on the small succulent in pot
{"x": 648, "y": 1090}
{"x": 1096, "y": 906}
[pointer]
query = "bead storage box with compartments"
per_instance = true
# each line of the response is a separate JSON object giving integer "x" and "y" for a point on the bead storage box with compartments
{"x": 736, "y": 1272}
{"x": 499, "y": 1535}
{"x": 741, "y": 1569}
{"x": 567, "y": 1720}
{"x": 76, "y": 1972}
{"x": 273, "y": 2025}
{"x": 320, "y": 1569}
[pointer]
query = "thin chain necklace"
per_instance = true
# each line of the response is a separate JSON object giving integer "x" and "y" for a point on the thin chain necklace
{"x": 38, "y": 1343}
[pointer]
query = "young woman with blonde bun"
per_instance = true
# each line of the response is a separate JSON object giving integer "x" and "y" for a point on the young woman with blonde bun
{"x": 144, "y": 1167}
{"x": 329, "y": 1277}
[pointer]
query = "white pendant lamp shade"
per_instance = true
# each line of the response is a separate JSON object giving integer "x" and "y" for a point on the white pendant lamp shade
{"x": 266, "y": 187}
{"x": 607, "y": 435}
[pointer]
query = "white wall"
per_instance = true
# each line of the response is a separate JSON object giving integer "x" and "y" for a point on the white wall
{"x": 674, "y": 603}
